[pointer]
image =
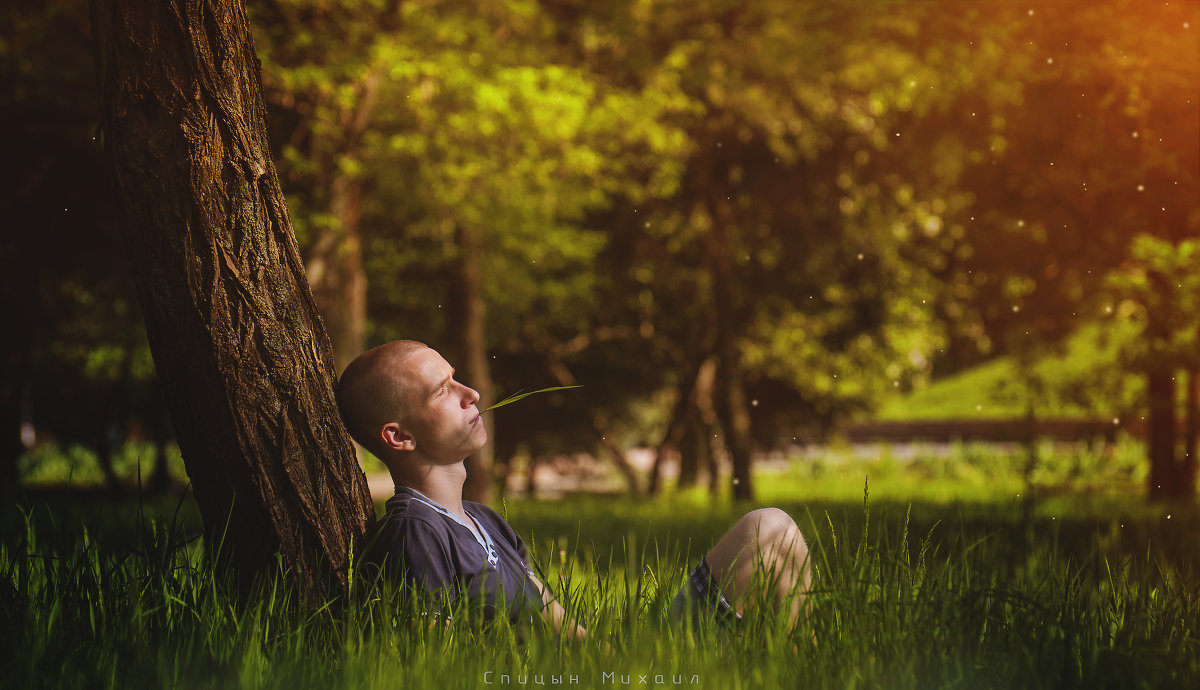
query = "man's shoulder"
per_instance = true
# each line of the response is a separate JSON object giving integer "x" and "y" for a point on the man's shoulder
{"x": 407, "y": 531}
{"x": 403, "y": 513}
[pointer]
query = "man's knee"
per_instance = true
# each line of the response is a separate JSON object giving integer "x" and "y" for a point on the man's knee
{"x": 774, "y": 526}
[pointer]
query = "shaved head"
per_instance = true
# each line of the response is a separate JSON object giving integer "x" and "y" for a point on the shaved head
{"x": 376, "y": 389}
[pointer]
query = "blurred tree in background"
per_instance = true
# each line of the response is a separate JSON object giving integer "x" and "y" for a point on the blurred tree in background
{"x": 1159, "y": 286}
{"x": 75, "y": 366}
{"x": 483, "y": 156}
{"x": 1095, "y": 142}
{"x": 733, "y": 223}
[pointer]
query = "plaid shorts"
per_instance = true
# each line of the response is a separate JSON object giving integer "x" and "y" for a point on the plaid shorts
{"x": 701, "y": 596}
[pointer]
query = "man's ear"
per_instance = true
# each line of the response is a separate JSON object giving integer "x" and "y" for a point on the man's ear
{"x": 396, "y": 438}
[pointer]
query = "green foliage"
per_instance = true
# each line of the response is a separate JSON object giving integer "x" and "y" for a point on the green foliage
{"x": 1070, "y": 154}
{"x": 1159, "y": 290}
{"x": 52, "y": 465}
{"x": 1080, "y": 378}
{"x": 465, "y": 120}
{"x": 948, "y": 474}
{"x": 882, "y": 192}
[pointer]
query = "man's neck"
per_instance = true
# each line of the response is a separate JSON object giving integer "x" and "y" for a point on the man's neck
{"x": 442, "y": 484}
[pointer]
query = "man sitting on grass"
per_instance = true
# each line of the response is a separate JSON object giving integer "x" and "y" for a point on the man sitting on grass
{"x": 400, "y": 401}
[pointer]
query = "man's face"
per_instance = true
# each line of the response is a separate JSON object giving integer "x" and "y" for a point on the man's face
{"x": 442, "y": 420}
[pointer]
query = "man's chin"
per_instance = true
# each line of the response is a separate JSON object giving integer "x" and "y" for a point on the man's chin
{"x": 479, "y": 437}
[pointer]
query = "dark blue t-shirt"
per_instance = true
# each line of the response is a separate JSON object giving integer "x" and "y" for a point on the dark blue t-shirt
{"x": 420, "y": 544}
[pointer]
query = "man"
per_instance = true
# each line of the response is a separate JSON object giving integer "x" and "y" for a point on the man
{"x": 401, "y": 402}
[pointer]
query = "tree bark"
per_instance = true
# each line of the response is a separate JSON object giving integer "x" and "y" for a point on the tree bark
{"x": 477, "y": 371}
{"x": 245, "y": 362}
{"x": 1161, "y": 431}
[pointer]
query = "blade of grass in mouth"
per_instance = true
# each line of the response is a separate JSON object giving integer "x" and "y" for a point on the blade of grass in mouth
{"x": 519, "y": 396}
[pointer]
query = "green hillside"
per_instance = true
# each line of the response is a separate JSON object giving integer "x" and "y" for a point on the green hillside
{"x": 1080, "y": 380}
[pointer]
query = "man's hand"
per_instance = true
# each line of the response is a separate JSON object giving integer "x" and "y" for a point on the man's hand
{"x": 557, "y": 616}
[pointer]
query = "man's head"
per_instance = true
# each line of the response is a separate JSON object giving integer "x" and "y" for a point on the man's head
{"x": 400, "y": 399}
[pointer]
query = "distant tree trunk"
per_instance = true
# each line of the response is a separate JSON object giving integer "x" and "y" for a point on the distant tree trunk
{"x": 731, "y": 405}
{"x": 600, "y": 423}
{"x": 1191, "y": 432}
{"x": 245, "y": 363}
{"x": 667, "y": 447}
{"x": 336, "y": 274}
{"x": 615, "y": 453}
{"x": 1164, "y": 475}
{"x": 160, "y": 434}
{"x": 110, "y": 414}
{"x": 19, "y": 299}
{"x": 710, "y": 460}
{"x": 735, "y": 420}
{"x": 706, "y": 455}
{"x": 531, "y": 476}
{"x": 476, "y": 370}
{"x": 104, "y": 458}
{"x": 695, "y": 450}
{"x": 696, "y": 456}
{"x": 680, "y": 412}
{"x": 11, "y": 447}
{"x": 502, "y": 473}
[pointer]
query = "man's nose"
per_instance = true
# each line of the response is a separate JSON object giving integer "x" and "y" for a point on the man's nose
{"x": 471, "y": 397}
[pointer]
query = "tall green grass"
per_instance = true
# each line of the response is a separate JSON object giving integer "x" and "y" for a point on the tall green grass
{"x": 906, "y": 595}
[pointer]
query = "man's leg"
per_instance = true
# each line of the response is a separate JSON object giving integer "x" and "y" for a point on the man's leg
{"x": 767, "y": 541}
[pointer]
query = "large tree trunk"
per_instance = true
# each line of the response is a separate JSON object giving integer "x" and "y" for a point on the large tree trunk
{"x": 1161, "y": 430}
{"x": 336, "y": 274}
{"x": 245, "y": 363}
{"x": 477, "y": 372}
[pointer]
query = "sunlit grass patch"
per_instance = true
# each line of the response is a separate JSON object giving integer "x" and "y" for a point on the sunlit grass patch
{"x": 907, "y": 593}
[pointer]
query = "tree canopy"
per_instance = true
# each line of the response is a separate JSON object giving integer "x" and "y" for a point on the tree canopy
{"x": 723, "y": 219}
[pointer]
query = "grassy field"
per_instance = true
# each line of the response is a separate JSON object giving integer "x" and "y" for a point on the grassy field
{"x": 964, "y": 585}
{"x": 1080, "y": 378}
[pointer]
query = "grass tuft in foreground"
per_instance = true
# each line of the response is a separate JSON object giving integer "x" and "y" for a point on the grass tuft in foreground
{"x": 904, "y": 597}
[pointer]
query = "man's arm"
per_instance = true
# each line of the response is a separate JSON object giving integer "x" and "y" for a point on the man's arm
{"x": 554, "y": 613}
